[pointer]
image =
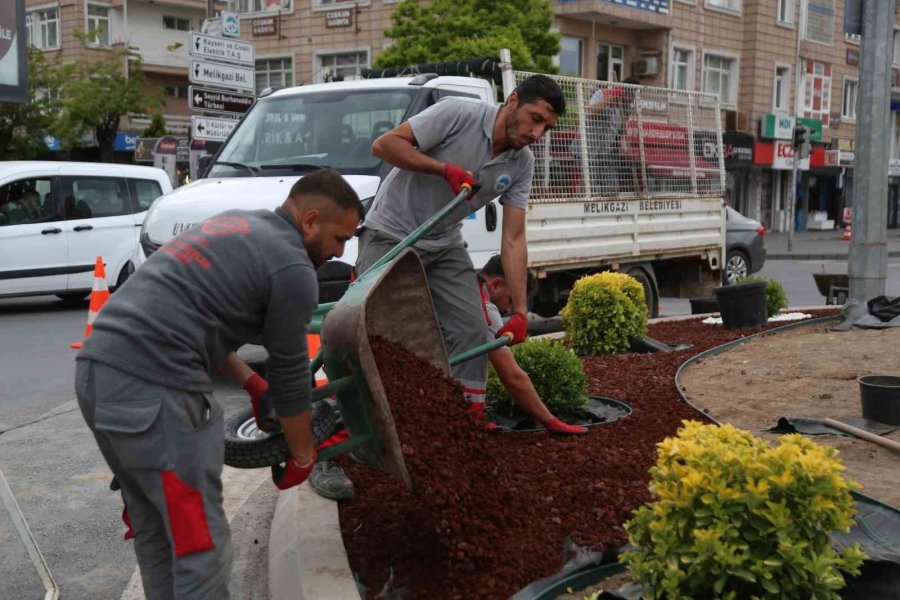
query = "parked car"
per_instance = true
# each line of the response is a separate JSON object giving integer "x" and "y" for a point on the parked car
{"x": 57, "y": 217}
{"x": 745, "y": 246}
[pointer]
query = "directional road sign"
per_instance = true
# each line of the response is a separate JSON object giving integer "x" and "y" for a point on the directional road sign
{"x": 211, "y": 128}
{"x": 221, "y": 49}
{"x": 217, "y": 101}
{"x": 221, "y": 75}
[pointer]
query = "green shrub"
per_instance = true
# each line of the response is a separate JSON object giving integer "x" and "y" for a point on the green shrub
{"x": 737, "y": 519}
{"x": 555, "y": 372}
{"x": 605, "y": 312}
{"x": 776, "y": 299}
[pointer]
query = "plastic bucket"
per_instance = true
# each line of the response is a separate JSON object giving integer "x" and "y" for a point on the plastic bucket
{"x": 703, "y": 306}
{"x": 880, "y": 396}
{"x": 743, "y": 305}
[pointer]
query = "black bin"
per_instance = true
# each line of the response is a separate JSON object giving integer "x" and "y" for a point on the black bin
{"x": 880, "y": 396}
{"x": 702, "y": 306}
{"x": 743, "y": 305}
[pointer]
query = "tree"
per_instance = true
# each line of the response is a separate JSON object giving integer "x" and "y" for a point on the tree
{"x": 157, "y": 126}
{"x": 97, "y": 93}
{"x": 23, "y": 127}
{"x": 462, "y": 29}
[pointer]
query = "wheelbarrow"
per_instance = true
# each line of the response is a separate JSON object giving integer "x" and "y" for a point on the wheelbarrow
{"x": 391, "y": 300}
{"x": 834, "y": 286}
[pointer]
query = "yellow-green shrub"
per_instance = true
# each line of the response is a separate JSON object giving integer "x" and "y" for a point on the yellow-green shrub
{"x": 555, "y": 372}
{"x": 736, "y": 519}
{"x": 605, "y": 312}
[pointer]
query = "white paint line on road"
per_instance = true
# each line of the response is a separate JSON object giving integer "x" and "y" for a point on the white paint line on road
{"x": 238, "y": 486}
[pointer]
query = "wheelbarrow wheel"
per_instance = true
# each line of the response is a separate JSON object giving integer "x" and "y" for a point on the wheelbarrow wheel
{"x": 246, "y": 447}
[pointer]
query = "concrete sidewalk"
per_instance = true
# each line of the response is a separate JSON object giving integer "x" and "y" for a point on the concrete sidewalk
{"x": 819, "y": 245}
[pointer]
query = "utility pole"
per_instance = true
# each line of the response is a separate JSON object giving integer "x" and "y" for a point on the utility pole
{"x": 210, "y": 9}
{"x": 798, "y": 91}
{"x": 867, "y": 264}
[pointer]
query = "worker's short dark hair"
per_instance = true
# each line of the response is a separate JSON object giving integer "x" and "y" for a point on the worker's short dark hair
{"x": 329, "y": 183}
{"x": 494, "y": 268}
{"x": 541, "y": 87}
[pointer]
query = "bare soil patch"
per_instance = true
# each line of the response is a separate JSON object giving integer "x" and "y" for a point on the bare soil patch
{"x": 804, "y": 373}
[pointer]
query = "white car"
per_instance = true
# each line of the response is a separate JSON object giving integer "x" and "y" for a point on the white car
{"x": 57, "y": 217}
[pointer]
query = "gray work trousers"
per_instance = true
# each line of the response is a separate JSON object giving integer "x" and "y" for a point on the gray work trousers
{"x": 457, "y": 301}
{"x": 166, "y": 448}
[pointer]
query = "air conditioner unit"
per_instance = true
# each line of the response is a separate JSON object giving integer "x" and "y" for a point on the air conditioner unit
{"x": 645, "y": 67}
{"x": 736, "y": 120}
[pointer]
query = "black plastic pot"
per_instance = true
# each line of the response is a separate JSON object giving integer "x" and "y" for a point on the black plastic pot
{"x": 743, "y": 305}
{"x": 880, "y": 396}
{"x": 703, "y": 306}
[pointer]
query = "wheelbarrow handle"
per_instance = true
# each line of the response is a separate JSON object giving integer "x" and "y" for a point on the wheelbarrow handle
{"x": 500, "y": 342}
{"x": 423, "y": 229}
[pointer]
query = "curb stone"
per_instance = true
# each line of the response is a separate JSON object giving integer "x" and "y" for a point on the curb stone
{"x": 307, "y": 559}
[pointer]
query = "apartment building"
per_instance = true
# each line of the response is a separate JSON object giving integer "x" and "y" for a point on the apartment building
{"x": 768, "y": 61}
{"x": 156, "y": 30}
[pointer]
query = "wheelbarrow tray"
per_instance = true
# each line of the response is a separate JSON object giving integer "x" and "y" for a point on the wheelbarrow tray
{"x": 391, "y": 301}
{"x": 826, "y": 282}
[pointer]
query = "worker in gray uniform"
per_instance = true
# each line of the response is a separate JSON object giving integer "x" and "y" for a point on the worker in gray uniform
{"x": 457, "y": 142}
{"x": 496, "y": 299}
{"x": 144, "y": 377}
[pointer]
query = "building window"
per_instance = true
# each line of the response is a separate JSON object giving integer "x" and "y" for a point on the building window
{"x": 720, "y": 77}
{"x": 177, "y": 91}
{"x": 819, "y": 21}
{"x": 274, "y": 72}
{"x": 176, "y": 23}
{"x": 782, "y": 90}
{"x": 731, "y": 5}
{"x": 786, "y": 12}
{"x": 339, "y": 66}
{"x": 570, "y": 52}
{"x": 42, "y": 28}
{"x": 850, "y": 97}
{"x": 682, "y": 73}
{"x": 98, "y": 25}
{"x": 816, "y": 90}
{"x": 610, "y": 62}
{"x": 254, "y": 6}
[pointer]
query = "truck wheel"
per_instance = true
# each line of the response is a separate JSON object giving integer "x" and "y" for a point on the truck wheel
{"x": 649, "y": 295}
{"x": 246, "y": 447}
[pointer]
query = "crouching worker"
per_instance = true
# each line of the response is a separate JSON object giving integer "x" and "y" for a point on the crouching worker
{"x": 496, "y": 299}
{"x": 144, "y": 377}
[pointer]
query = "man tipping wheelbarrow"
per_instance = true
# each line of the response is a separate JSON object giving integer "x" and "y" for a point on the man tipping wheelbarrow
{"x": 464, "y": 142}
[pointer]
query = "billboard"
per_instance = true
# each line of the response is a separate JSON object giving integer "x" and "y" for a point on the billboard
{"x": 13, "y": 52}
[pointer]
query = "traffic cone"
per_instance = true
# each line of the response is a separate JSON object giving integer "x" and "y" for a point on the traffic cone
{"x": 99, "y": 296}
{"x": 313, "y": 343}
{"x": 848, "y": 234}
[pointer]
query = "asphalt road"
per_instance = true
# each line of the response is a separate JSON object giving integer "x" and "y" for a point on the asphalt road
{"x": 60, "y": 481}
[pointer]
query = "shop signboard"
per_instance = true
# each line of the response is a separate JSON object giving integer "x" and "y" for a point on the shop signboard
{"x": 781, "y": 127}
{"x": 13, "y": 53}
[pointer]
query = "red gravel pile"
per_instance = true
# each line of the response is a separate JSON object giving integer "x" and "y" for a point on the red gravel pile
{"x": 491, "y": 511}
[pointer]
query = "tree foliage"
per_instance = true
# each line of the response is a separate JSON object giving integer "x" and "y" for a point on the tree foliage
{"x": 97, "y": 92}
{"x": 447, "y": 30}
{"x": 157, "y": 126}
{"x": 23, "y": 127}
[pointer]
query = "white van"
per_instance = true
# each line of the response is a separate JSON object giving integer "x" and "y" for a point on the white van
{"x": 57, "y": 217}
{"x": 292, "y": 132}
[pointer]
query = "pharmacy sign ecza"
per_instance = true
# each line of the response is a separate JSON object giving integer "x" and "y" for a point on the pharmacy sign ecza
{"x": 13, "y": 63}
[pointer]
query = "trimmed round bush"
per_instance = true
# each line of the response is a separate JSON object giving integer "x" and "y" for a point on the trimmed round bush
{"x": 555, "y": 372}
{"x": 776, "y": 299}
{"x": 605, "y": 312}
{"x": 734, "y": 519}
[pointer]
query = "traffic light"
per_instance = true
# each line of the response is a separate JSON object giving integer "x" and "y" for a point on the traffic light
{"x": 802, "y": 141}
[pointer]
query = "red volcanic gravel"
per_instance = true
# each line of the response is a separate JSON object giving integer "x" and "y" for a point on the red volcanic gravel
{"x": 491, "y": 511}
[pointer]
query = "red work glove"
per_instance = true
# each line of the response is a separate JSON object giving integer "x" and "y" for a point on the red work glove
{"x": 292, "y": 474}
{"x": 457, "y": 177}
{"x": 517, "y": 326}
{"x": 476, "y": 409}
{"x": 256, "y": 386}
{"x": 554, "y": 425}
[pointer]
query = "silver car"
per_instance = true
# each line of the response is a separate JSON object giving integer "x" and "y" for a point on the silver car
{"x": 745, "y": 246}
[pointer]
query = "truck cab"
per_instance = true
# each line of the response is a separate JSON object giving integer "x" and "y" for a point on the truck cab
{"x": 292, "y": 132}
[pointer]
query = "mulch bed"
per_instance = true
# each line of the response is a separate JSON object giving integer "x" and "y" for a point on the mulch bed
{"x": 492, "y": 511}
